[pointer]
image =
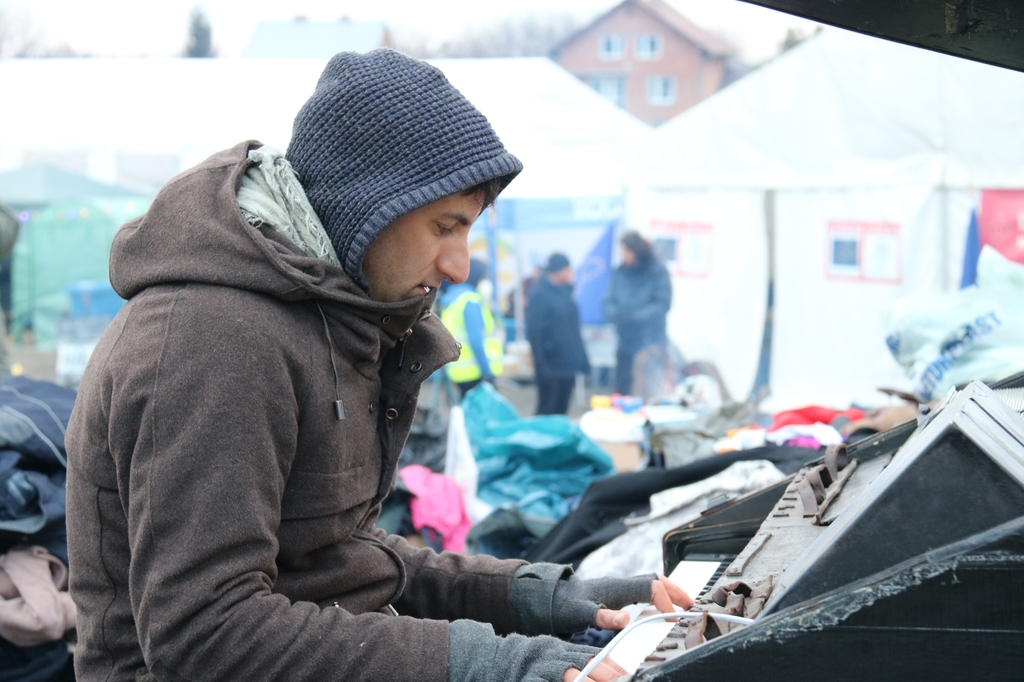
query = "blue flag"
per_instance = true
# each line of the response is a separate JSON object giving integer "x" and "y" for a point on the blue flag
{"x": 971, "y": 252}
{"x": 592, "y": 277}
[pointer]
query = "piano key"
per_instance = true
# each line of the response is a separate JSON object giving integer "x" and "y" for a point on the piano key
{"x": 691, "y": 576}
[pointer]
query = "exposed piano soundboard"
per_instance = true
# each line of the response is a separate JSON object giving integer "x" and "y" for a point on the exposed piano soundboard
{"x": 901, "y": 558}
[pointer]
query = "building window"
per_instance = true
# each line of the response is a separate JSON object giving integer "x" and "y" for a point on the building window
{"x": 610, "y": 47}
{"x": 648, "y": 46}
{"x": 661, "y": 91}
{"x": 612, "y": 88}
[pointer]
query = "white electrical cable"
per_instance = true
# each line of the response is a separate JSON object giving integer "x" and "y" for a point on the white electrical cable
{"x": 596, "y": 660}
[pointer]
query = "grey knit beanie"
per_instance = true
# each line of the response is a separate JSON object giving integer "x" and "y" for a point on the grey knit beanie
{"x": 383, "y": 135}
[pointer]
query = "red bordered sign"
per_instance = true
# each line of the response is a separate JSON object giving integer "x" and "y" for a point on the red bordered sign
{"x": 684, "y": 247}
{"x": 864, "y": 251}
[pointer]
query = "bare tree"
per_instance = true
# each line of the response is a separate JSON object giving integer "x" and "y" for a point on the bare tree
{"x": 513, "y": 36}
{"x": 62, "y": 51}
{"x": 17, "y": 37}
{"x": 200, "y": 35}
{"x": 795, "y": 36}
{"x": 412, "y": 43}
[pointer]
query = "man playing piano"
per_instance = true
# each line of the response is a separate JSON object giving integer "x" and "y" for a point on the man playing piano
{"x": 240, "y": 421}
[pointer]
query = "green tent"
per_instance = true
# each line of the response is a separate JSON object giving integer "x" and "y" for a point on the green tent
{"x": 66, "y": 242}
{"x": 39, "y": 185}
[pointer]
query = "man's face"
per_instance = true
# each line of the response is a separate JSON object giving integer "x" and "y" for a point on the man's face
{"x": 628, "y": 257}
{"x": 413, "y": 254}
{"x": 564, "y": 276}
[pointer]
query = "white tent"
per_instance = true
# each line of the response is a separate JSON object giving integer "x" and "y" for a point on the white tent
{"x": 861, "y": 158}
{"x": 137, "y": 122}
{"x": 109, "y": 118}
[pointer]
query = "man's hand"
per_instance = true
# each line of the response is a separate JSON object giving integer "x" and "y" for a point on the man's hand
{"x": 665, "y": 594}
{"x": 606, "y": 671}
{"x": 547, "y": 599}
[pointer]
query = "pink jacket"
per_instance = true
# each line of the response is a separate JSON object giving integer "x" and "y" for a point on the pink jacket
{"x": 438, "y": 504}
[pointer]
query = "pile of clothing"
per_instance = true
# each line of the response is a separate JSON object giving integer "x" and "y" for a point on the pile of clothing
{"x": 538, "y": 488}
{"x": 506, "y": 482}
{"x": 36, "y": 611}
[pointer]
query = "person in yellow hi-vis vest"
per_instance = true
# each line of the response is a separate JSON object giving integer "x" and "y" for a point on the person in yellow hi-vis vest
{"x": 468, "y": 317}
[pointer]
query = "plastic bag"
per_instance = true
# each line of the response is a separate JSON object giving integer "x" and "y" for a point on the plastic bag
{"x": 460, "y": 466}
{"x": 945, "y": 340}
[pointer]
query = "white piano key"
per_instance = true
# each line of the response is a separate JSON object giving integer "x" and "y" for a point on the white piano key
{"x": 692, "y": 576}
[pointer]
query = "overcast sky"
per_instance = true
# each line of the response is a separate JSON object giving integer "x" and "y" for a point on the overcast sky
{"x": 159, "y": 27}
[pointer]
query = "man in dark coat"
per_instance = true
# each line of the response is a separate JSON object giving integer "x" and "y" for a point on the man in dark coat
{"x": 240, "y": 421}
{"x": 638, "y": 299}
{"x": 553, "y": 329}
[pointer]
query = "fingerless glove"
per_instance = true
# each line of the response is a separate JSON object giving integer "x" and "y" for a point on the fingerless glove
{"x": 548, "y": 599}
{"x": 476, "y": 654}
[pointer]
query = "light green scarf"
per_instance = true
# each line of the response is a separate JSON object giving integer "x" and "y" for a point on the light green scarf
{"x": 272, "y": 195}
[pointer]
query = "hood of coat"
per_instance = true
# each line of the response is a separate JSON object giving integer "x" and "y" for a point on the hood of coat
{"x": 194, "y": 232}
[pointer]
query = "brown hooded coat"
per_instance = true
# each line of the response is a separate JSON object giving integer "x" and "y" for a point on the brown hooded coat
{"x": 220, "y": 515}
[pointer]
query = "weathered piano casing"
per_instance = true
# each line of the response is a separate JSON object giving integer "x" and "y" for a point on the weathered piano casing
{"x": 908, "y": 563}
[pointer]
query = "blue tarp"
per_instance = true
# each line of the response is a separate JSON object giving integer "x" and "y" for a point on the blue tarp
{"x": 537, "y": 464}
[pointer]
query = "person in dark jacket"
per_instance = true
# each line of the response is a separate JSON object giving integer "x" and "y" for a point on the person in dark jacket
{"x": 241, "y": 419}
{"x": 553, "y": 329}
{"x": 638, "y": 299}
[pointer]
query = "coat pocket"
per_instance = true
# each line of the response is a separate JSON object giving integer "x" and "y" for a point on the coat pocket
{"x": 311, "y": 494}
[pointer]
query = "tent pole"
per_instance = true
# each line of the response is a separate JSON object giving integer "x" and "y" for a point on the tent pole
{"x": 944, "y": 212}
{"x": 520, "y": 308}
{"x": 762, "y": 384}
{"x": 492, "y": 253}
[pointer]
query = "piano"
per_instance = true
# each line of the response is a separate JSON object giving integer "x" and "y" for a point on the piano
{"x": 898, "y": 558}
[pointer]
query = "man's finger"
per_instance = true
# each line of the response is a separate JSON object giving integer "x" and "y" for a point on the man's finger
{"x": 607, "y": 619}
{"x": 660, "y": 598}
{"x": 675, "y": 593}
{"x": 606, "y": 671}
{"x": 615, "y": 667}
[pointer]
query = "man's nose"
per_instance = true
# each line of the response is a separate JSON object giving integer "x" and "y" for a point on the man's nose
{"x": 454, "y": 262}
